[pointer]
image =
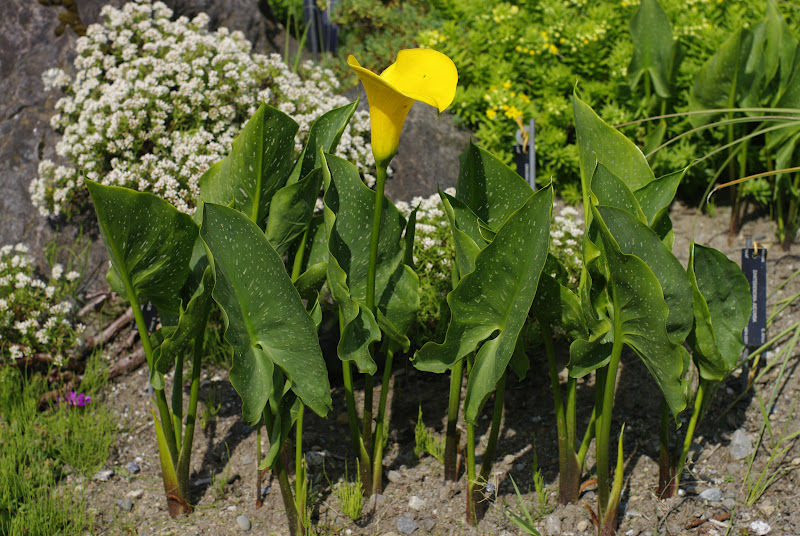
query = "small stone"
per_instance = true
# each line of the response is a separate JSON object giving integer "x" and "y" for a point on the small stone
{"x": 391, "y": 534}
{"x": 415, "y": 503}
{"x": 104, "y": 475}
{"x": 508, "y": 459}
{"x": 729, "y": 503}
{"x": 135, "y": 494}
{"x": 133, "y": 468}
{"x": 247, "y": 460}
{"x": 243, "y": 522}
{"x": 741, "y": 445}
{"x": 767, "y": 509}
{"x": 759, "y": 528}
{"x": 375, "y": 500}
{"x": 519, "y": 466}
{"x": 394, "y": 476}
{"x": 552, "y": 525}
{"x": 406, "y": 525}
{"x": 681, "y": 492}
{"x": 796, "y": 461}
{"x": 582, "y": 525}
{"x": 428, "y": 523}
{"x": 126, "y": 504}
{"x": 733, "y": 469}
{"x": 315, "y": 458}
{"x": 201, "y": 482}
{"x": 711, "y": 495}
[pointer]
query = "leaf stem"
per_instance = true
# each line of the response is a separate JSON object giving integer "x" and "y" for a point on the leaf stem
{"x": 603, "y": 425}
{"x": 494, "y": 431}
{"x": 451, "y": 438}
{"x": 375, "y": 236}
{"x": 185, "y": 456}
{"x": 377, "y": 456}
{"x": 702, "y": 386}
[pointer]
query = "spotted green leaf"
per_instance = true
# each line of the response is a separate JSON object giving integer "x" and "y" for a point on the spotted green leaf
{"x": 490, "y": 304}
{"x": 266, "y": 322}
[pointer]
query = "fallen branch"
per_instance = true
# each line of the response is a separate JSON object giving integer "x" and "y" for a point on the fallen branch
{"x": 128, "y": 363}
{"x": 96, "y": 300}
{"x": 111, "y": 330}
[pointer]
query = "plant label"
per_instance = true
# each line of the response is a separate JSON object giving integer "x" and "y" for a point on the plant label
{"x": 150, "y": 314}
{"x": 754, "y": 266}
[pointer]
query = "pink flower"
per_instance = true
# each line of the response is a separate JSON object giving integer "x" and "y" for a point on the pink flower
{"x": 74, "y": 399}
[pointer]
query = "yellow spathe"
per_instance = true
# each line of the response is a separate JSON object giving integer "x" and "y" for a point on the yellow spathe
{"x": 418, "y": 74}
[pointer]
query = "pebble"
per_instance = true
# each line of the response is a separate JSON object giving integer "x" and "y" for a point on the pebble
{"x": 406, "y": 525}
{"x": 552, "y": 525}
{"x": 796, "y": 461}
{"x": 243, "y": 522}
{"x": 394, "y": 476}
{"x": 247, "y": 460}
{"x": 415, "y": 503}
{"x": 133, "y": 468}
{"x": 428, "y": 523}
{"x": 711, "y": 495}
{"x": 729, "y": 503}
{"x": 681, "y": 492}
{"x": 391, "y": 534}
{"x": 315, "y": 458}
{"x": 375, "y": 500}
{"x": 582, "y": 526}
{"x": 759, "y": 528}
{"x": 201, "y": 481}
{"x": 125, "y": 504}
{"x": 767, "y": 509}
{"x": 135, "y": 494}
{"x": 104, "y": 475}
{"x": 741, "y": 445}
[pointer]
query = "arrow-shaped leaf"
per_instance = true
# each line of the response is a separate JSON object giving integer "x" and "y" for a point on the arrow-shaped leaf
{"x": 266, "y": 322}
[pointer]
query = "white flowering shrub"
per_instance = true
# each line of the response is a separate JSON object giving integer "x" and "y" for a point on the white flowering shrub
{"x": 154, "y": 102}
{"x": 34, "y": 314}
{"x": 566, "y": 235}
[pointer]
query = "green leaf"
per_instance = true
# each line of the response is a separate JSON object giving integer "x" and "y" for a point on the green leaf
{"x": 634, "y": 238}
{"x": 723, "y": 79}
{"x": 640, "y": 313}
{"x": 291, "y": 210}
{"x": 349, "y": 207}
{"x": 324, "y": 136}
{"x": 611, "y": 191}
{"x": 493, "y": 301}
{"x": 310, "y": 282}
{"x": 149, "y": 243}
{"x": 653, "y": 48}
{"x": 257, "y": 166}
{"x": 556, "y": 304}
{"x": 466, "y": 247}
{"x": 598, "y": 142}
{"x": 722, "y": 308}
{"x": 492, "y": 190}
{"x": 192, "y": 324}
{"x": 265, "y": 320}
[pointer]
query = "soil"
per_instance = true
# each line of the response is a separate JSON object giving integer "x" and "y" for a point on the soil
{"x": 224, "y": 468}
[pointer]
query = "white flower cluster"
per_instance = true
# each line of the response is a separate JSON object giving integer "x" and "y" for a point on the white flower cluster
{"x": 566, "y": 235}
{"x": 155, "y": 102}
{"x": 34, "y": 314}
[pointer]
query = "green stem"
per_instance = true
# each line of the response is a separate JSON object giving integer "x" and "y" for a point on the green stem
{"x": 297, "y": 266}
{"x": 161, "y": 398}
{"x": 380, "y": 426}
{"x": 702, "y": 386}
{"x": 177, "y": 399}
{"x": 587, "y": 440}
{"x": 666, "y": 470}
{"x": 279, "y": 470}
{"x": 258, "y": 463}
{"x": 184, "y": 460}
{"x": 472, "y": 517}
{"x": 603, "y": 433}
{"x": 374, "y": 237}
{"x": 451, "y": 438}
{"x": 366, "y": 414}
{"x": 300, "y": 467}
{"x": 355, "y": 436}
{"x": 494, "y": 431}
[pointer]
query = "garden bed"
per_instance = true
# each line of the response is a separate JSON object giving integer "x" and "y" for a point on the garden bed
{"x": 224, "y": 470}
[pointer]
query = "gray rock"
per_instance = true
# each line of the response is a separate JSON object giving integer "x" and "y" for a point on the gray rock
{"x": 201, "y": 482}
{"x": 428, "y": 523}
{"x": 133, "y": 468}
{"x": 552, "y": 525}
{"x": 406, "y": 525}
{"x": 135, "y": 494}
{"x": 103, "y": 475}
{"x": 247, "y": 460}
{"x": 394, "y": 476}
{"x": 243, "y": 523}
{"x": 760, "y": 528}
{"x": 582, "y": 525}
{"x": 126, "y": 504}
{"x": 375, "y": 500}
{"x": 729, "y": 503}
{"x": 711, "y": 495}
{"x": 415, "y": 503}
{"x": 315, "y": 458}
{"x": 741, "y": 445}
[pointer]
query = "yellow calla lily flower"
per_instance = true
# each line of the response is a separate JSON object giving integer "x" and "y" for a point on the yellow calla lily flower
{"x": 417, "y": 75}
